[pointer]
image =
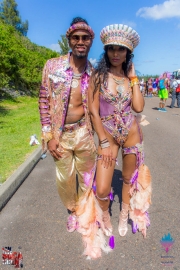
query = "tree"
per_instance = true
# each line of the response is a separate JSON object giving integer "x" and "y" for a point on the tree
{"x": 64, "y": 46}
{"x": 10, "y": 15}
{"x": 21, "y": 61}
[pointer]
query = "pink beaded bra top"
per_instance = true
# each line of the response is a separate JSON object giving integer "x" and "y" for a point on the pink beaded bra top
{"x": 115, "y": 113}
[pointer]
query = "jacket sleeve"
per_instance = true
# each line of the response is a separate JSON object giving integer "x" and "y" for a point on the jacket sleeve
{"x": 44, "y": 107}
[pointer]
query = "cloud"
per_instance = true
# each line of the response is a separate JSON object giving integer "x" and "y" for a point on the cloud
{"x": 130, "y": 23}
{"x": 54, "y": 47}
{"x": 93, "y": 61}
{"x": 169, "y": 9}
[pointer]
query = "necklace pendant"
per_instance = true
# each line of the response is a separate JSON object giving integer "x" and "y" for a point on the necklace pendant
{"x": 74, "y": 83}
{"x": 120, "y": 89}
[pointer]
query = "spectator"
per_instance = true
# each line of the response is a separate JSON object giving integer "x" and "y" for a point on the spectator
{"x": 150, "y": 87}
{"x": 146, "y": 90}
{"x": 163, "y": 92}
{"x": 142, "y": 86}
{"x": 154, "y": 85}
{"x": 175, "y": 95}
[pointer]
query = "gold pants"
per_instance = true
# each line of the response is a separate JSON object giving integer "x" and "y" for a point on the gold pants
{"x": 78, "y": 157}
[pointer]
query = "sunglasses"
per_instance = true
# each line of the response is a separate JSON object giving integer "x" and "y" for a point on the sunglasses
{"x": 76, "y": 38}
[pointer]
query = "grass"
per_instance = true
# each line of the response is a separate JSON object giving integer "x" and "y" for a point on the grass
{"x": 19, "y": 119}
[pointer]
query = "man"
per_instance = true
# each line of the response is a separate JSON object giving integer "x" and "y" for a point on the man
{"x": 146, "y": 88}
{"x": 174, "y": 85}
{"x": 66, "y": 127}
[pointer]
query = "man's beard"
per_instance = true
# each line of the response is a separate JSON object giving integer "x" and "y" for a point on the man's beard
{"x": 81, "y": 55}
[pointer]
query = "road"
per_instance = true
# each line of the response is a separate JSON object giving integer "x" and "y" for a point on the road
{"x": 34, "y": 220}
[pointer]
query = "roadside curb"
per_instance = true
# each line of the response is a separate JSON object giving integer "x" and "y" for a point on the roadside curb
{"x": 9, "y": 187}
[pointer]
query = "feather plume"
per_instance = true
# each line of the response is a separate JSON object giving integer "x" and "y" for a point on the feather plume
{"x": 141, "y": 200}
{"x": 91, "y": 226}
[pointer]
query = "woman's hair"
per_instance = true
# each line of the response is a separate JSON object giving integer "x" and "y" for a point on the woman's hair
{"x": 100, "y": 74}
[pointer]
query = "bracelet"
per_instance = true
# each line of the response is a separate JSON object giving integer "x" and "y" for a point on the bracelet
{"x": 135, "y": 83}
{"x": 132, "y": 78}
{"x": 105, "y": 140}
{"x": 105, "y": 145}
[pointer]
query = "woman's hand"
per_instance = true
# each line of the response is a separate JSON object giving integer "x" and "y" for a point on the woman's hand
{"x": 132, "y": 72}
{"x": 106, "y": 157}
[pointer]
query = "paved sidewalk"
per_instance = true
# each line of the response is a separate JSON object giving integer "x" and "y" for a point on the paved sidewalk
{"x": 9, "y": 187}
{"x": 34, "y": 219}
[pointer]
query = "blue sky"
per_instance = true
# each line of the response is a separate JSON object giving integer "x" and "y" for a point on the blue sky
{"x": 156, "y": 21}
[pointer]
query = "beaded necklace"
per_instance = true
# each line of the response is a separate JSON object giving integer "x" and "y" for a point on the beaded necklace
{"x": 120, "y": 85}
{"x": 75, "y": 80}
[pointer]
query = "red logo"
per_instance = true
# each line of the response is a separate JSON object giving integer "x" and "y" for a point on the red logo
{"x": 10, "y": 257}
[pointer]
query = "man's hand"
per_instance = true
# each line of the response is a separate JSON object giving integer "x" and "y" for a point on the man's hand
{"x": 53, "y": 148}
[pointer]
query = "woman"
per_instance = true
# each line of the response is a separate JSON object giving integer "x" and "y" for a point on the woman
{"x": 113, "y": 91}
{"x": 150, "y": 87}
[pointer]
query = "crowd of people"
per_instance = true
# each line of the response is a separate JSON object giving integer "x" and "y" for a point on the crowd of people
{"x": 163, "y": 87}
{"x": 75, "y": 101}
{"x": 150, "y": 87}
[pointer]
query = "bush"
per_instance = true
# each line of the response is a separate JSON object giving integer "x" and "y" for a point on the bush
{"x": 21, "y": 61}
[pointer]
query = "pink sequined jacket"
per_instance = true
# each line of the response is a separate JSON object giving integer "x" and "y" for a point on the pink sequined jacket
{"x": 54, "y": 96}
